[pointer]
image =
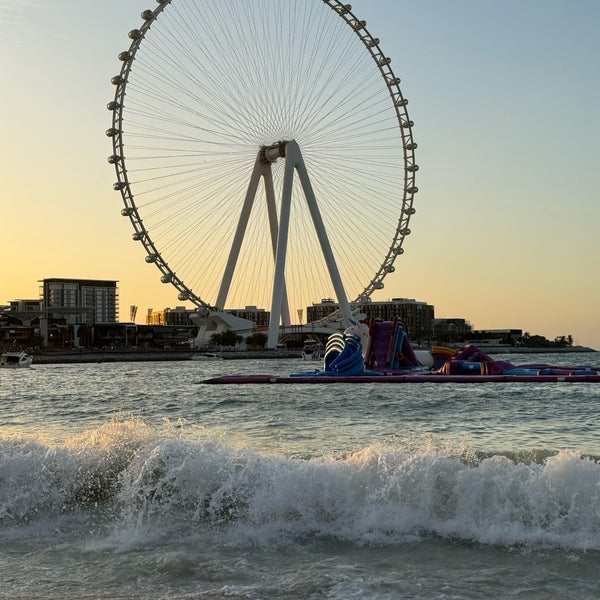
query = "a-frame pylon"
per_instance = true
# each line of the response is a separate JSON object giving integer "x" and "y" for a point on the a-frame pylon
{"x": 279, "y": 232}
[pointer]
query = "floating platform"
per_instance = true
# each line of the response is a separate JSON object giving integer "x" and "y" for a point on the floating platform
{"x": 379, "y": 352}
{"x": 405, "y": 378}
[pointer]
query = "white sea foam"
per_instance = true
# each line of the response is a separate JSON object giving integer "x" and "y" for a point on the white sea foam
{"x": 154, "y": 482}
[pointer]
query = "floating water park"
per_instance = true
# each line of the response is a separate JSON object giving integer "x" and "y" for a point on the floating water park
{"x": 380, "y": 352}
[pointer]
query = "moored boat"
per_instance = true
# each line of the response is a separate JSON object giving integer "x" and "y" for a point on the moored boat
{"x": 311, "y": 350}
{"x": 15, "y": 359}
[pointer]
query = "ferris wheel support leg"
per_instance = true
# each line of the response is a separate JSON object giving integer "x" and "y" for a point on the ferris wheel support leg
{"x": 280, "y": 254}
{"x": 239, "y": 234}
{"x": 272, "y": 212}
{"x": 293, "y": 149}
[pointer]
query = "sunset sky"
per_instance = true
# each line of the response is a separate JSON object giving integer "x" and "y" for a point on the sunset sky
{"x": 504, "y": 97}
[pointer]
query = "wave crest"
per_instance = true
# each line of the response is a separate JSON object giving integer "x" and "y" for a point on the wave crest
{"x": 176, "y": 479}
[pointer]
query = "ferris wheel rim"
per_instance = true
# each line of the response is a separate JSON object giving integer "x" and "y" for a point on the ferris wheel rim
{"x": 123, "y": 185}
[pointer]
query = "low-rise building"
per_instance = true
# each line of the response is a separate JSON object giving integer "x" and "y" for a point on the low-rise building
{"x": 180, "y": 315}
{"x": 418, "y": 317}
{"x": 78, "y": 301}
{"x": 451, "y": 331}
{"x": 259, "y": 316}
{"x": 496, "y": 337}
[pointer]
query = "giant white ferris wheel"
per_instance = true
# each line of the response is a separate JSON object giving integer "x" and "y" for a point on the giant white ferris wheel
{"x": 264, "y": 153}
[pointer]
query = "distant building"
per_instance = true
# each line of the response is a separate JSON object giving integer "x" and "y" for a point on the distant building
{"x": 460, "y": 331}
{"x": 179, "y": 315}
{"x": 80, "y": 301}
{"x": 320, "y": 310}
{"x": 24, "y": 312}
{"x": 18, "y": 336}
{"x": 496, "y": 337}
{"x": 418, "y": 317}
{"x": 260, "y": 316}
{"x": 70, "y": 307}
{"x": 25, "y": 306}
{"x": 455, "y": 330}
{"x": 120, "y": 335}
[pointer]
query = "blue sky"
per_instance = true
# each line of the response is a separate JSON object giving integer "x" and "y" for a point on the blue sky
{"x": 504, "y": 99}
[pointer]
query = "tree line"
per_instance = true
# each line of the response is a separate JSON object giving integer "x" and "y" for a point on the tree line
{"x": 539, "y": 341}
{"x": 230, "y": 338}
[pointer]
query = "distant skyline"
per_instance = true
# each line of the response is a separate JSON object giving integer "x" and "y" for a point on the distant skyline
{"x": 503, "y": 97}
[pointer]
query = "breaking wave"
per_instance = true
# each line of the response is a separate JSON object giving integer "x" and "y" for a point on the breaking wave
{"x": 129, "y": 481}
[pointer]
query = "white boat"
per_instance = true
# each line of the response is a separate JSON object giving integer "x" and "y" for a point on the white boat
{"x": 311, "y": 350}
{"x": 15, "y": 360}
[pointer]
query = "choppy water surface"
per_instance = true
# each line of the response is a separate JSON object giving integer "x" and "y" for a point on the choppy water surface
{"x": 134, "y": 480}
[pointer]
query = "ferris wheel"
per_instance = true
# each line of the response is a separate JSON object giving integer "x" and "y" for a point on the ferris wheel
{"x": 264, "y": 153}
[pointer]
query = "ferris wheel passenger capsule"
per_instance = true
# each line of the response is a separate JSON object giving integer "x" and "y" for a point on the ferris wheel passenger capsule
{"x": 147, "y": 14}
{"x": 113, "y": 159}
{"x": 112, "y": 132}
{"x": 166, "y": 279}
{"x": 118, "y": 185}
{"x": 138, "y": 236}
{"x": 134, "y": 34}
{"x": 127, "y": 212}
{"x": 151, "y": 258}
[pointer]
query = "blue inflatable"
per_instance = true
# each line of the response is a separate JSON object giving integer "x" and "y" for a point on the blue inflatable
{"x": 343, "y": 355}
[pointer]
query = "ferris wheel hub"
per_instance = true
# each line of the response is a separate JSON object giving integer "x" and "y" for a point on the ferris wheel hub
{"x": 270, "y": 154}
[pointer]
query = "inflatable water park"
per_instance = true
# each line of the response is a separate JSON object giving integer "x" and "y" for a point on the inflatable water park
{"x": 380, "y": 352}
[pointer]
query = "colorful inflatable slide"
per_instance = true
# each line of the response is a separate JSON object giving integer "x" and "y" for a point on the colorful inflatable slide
{"x": 380, "y": 352}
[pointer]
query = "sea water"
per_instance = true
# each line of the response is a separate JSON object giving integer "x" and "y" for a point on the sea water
{"x": 136, "y": 480}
